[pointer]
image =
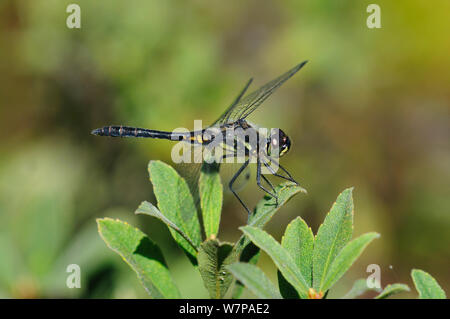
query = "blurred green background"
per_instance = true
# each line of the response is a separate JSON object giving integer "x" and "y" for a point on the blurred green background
{"x": 370, "y": 110}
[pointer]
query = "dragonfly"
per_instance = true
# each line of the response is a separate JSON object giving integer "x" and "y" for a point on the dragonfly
{"x": 265, "y": 152}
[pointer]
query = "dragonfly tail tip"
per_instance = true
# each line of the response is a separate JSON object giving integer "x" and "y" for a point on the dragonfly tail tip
{"x": 97, "y": 131}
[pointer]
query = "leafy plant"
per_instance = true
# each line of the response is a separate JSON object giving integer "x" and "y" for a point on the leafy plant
{"x": 308, "y": 266}
{"x": 176, "y": 208}
{"x": 143, "y": 256}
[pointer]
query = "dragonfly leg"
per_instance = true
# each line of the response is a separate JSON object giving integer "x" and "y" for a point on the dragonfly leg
{"x": 271, "y": 186}
{"x": 289, "y": 178}
{"x": 230, "y": 185}
{"x": 269, "y": 183}
{"x": 258, "y": 181}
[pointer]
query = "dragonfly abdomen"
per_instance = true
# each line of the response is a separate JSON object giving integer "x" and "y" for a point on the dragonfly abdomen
{"x": 127, "y": 131}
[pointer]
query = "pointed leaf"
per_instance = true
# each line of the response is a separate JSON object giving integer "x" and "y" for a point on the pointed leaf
{"x": 359, "y": 288}
{"x": 298, "y": 240}
{"x": 255, "y": 280}
{"x": 213, "y": 257}
{"x": 346, "y": 258}
{"x": 211, "y": 194}
{"x": 266, "y": 208}
{"x": 426, "y": 285}
{"x": 146, "y": 208}
{"x": 280, "y": 256}
{"x": 393, "y": 289}
{"x": 333, "y": 234}
{"x": 143, "y": 256}
{"x": 176, "y": 203}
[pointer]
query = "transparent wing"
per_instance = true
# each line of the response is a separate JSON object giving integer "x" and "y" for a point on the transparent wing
{"x": 230, "y": 109}
{"x": 191, "y": 174}
{"x": 228, "y": 170}
{"x": 244, "y": 106}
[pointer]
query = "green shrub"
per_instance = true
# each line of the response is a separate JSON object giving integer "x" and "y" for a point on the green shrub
{"x": 308, "y": 266}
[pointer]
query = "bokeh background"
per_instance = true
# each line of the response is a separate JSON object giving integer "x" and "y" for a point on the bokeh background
{"x": 369, "y": 110}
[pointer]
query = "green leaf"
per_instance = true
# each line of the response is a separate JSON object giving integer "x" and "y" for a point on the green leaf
{"x": 266, "y": 208}
{"x": 333, "y": 234}
{"x": 213, "y": 257}
{"x": 393, "y": 289}
{"x": 143, "y": 256}
{"x": 211, "y": 195}
{"x": 176, "y": 203}
{"x": 346, "y": 258}
{"x": 359, "y": 288}
{"x": 426, "y": 285}
{"x": 250, "y": 255}
{"x": 255, "y": 280}
{"x": 280, "y": 256}
{"x": 298, "y": 240}
{"x": 146, "y": 208}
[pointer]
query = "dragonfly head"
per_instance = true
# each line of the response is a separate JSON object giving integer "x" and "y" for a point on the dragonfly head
{"x": 280, "y": 142}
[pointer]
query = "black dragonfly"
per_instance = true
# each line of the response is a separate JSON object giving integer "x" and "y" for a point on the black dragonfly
{"x": 268, "y": 148}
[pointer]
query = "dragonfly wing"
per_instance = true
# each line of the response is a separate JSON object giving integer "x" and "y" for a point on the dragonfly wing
{"x": 229, "y": 110}
{"x": 266, "y": 90}
{"x": 243, "y": 107}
